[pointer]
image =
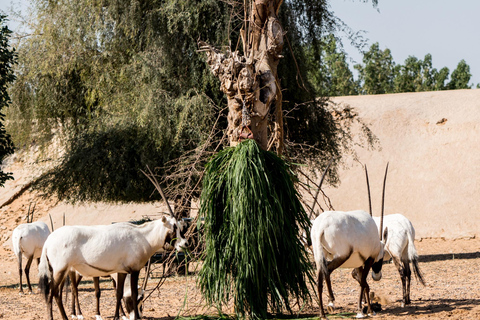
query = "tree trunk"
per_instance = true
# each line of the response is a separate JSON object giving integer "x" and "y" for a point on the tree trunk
{"x": 251, "y": 82}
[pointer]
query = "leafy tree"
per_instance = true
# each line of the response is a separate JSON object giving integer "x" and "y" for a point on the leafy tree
{"x": 408, "y": 75}
{"x": 441, "y": 78}
{"x": 331, "y": 75}
{"x": 418, "y": 75}
{"x": 118, "y": 67}
{"x": 428, "y": 74}
{"x": 377, "y": 74}
{"x": 96, "y": 67}
{"x": 8, "y": 58}
{"x": 460, "y": 77}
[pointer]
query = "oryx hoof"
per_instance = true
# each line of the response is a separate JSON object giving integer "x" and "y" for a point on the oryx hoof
{"x": 331, "y": 307}
{"x": 80, "y": 317}
{"x": 360, "y": 315}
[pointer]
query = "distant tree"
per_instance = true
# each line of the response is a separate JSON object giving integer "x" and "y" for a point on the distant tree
{"x": 428, "y": 74}
{"x": 377, "y": 73}
{"x": 440, "y": 78}
{"x": 331, "y": 76}
{"x": 419, "y": 75}
{"x": 408, "y": 76}
{"x": 8, "y": 58}
{"x": 460, "y": 77}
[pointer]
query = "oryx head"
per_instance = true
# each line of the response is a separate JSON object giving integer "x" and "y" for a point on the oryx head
{"x": 175, "y": 237}
{"x": 377, "y": 266}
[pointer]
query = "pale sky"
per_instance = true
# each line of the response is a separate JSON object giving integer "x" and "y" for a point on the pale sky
{"x": 449, "y": 30}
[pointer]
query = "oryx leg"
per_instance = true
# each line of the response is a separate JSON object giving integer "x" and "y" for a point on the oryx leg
{"x": 115, "y": 287}
{"x": 408, "y": 274}
{"x": 406, "y": 278}
{"x": 27, "y": 273}
{"x": 404, "y": 275}
{"x": 75, "y": 282}
{"x": 38, "y": 263}
{"x": 361, "y": 274}
{"x": 320, "y": 290}
{"x": 119, "y": 293}
{"x": 332, "y": 265}
{"x": 134, "y": 290}
{"x": 96, "y": 284}
{"x": 20, "y": 271}
{"x": 58, "y": 282}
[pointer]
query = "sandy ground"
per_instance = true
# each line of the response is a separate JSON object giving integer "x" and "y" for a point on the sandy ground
{"x": 450, "y": 268}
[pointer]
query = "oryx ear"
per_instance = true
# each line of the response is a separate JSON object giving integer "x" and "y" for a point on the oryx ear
{"x": 385, "y": 234}
{"x": 164, "y": 219}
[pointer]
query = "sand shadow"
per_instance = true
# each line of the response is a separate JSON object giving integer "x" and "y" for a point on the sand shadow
{"x": 430, "y": 306}
{"x": 448, "y": 256}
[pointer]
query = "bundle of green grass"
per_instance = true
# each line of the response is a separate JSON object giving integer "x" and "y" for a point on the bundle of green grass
{"x": 252, "y": 217}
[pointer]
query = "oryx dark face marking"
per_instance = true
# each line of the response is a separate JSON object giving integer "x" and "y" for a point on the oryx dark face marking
{"x": 171, "y": 237}
{"x": 377, "y": 270}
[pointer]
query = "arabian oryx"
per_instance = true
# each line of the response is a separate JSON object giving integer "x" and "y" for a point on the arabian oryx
{"x": 28, "y": 239}
{"x": 347, "y": 240}
{"x": 401, "y": 248}
{"x": 96, "y": 251}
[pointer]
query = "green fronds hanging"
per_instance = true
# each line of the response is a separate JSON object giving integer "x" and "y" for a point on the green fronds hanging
{"x": 252, "y": 218}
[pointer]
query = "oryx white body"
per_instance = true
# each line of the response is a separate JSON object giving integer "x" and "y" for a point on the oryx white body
{"x": 28, "y": 240}
{"x": 96, "y": 251}
{"x": 346, "y": 240}
{"x": 400, "y": 247}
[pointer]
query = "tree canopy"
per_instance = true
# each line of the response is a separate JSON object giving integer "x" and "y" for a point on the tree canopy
{"x": 8, "y": 58}
{"x": 96, "y": 69}
{"x": 380, "y": 74}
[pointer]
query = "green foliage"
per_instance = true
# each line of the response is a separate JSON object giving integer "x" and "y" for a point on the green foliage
{"x": 8, "y": 58}
{"x": 91, "y": 66}
{"x": 94, "y": 68}
{"x": 460, "y": 76}
{"x": 105, "y": 166}
{"x": 417, "y": 75}
{"x": 331, "y": 76}
{"x": 252, "y": 219}
{"x": 377, "y": 73}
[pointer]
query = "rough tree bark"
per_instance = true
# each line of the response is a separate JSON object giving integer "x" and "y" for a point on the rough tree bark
{"x": 250, "y": 81}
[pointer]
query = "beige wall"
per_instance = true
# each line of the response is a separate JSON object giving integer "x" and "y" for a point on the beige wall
{"x": 432, "y": 141}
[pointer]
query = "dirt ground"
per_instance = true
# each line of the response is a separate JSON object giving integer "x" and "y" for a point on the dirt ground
{"x": 451, "y": 269}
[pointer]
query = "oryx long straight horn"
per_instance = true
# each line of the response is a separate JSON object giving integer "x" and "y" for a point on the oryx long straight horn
{"x": 383, "y": 202}
{"x": 368, "y": 190}
{"x": 320, "y": 184}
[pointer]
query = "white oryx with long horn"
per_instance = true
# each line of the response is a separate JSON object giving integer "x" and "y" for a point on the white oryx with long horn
{"x": 347, "y": 240}
{"x": 96, "y": 251}
{"x": 400, "y": 247}
{"x": 28, "y": 240}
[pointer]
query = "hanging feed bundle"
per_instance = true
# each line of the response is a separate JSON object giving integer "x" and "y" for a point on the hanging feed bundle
{"x": 253, "y": 217}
